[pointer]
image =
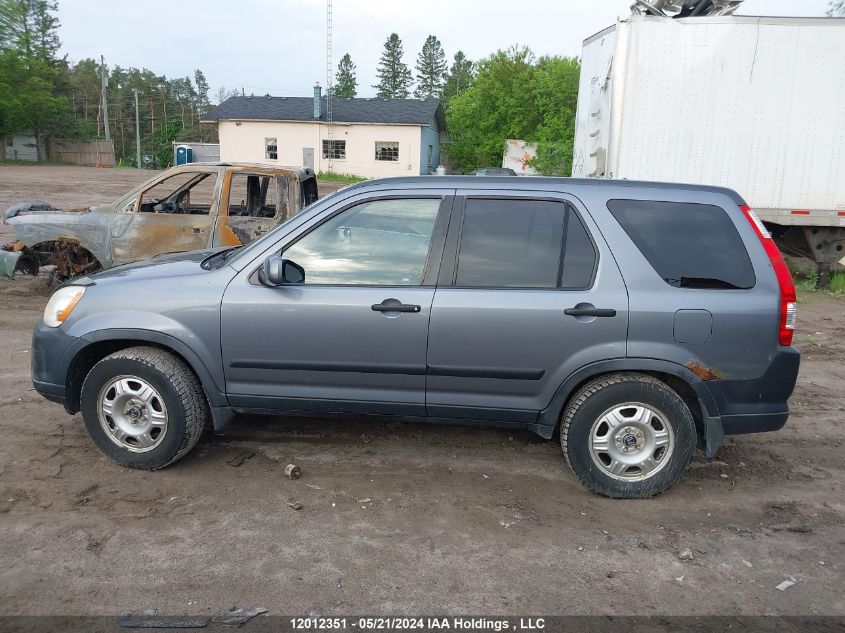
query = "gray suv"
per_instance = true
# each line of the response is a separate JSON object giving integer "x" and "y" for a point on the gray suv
{"x": 638, "y": 320}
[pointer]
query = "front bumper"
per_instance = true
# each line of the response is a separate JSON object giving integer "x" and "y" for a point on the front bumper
{"x": 52, "y": 353}
{"x": 8, "y": 263}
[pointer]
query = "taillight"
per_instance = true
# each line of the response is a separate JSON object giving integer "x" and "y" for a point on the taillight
{"x": 787, "y": 287}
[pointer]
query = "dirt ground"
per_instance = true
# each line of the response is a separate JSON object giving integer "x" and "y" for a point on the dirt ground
{"x": 405, "y": 519}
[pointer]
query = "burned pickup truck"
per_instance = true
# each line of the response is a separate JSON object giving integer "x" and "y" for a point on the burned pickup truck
{"x": 189, "y": 207}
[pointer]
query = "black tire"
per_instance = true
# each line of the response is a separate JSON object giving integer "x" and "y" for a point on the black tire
{"x": 186, "y": 406}
{"x": 601, "y": 395}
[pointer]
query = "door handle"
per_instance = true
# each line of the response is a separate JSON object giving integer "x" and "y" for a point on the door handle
{"x": 395, "y": 307}
{"x": 589, "y": 311}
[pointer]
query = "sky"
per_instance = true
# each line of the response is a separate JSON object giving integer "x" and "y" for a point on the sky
{"x": 278, "y": 47}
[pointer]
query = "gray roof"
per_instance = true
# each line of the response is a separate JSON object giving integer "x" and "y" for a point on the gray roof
{"x": 397, "y": 111}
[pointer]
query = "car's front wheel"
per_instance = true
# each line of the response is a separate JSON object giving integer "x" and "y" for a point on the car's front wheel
{"x": 143, "y": 407}
{"x": 628, "y": 435}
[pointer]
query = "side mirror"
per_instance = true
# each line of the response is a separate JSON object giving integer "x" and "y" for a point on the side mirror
{"x": 277, "y": 271}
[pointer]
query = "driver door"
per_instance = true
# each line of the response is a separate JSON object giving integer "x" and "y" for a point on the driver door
{"x": 353, "y": 336}
{"x": 174, "y": 214}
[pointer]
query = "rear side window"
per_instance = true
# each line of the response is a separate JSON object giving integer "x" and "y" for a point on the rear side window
{"x": 688, "y": 245}
{"x": 510, "y": 243}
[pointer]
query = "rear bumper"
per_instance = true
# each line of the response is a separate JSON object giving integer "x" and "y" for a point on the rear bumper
{"x": 758, "y": 405}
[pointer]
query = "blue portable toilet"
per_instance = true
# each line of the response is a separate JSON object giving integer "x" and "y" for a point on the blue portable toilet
{"x": 184, "y": 154}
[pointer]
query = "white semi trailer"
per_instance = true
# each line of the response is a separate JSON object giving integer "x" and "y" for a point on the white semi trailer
{"x": 756, "y": 104}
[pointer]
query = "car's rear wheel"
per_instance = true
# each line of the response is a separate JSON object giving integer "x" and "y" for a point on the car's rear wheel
{"x": 628, "y": 435}
{"x": 143, "y": 407}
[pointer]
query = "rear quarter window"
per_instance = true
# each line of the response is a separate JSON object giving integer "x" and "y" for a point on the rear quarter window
{"x": 688, "y": 245}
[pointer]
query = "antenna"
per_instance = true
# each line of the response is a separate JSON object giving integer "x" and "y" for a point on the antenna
{"x": 329, "y": 82}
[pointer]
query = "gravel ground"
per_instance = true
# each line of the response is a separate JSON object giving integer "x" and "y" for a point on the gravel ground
{"x": 400, "y": 518}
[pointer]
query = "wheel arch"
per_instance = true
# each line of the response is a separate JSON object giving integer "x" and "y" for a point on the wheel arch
{"x": 61, "y": 252}
{"x": 691, "y": 388}
{"x": 97, "y": 345}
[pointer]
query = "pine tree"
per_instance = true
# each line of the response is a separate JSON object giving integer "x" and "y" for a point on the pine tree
{"x": 836, "y": 8}
{"x": 459, "y": 77}
{"x": 29, "y": 36}
{"x": 431, "y": 70}
{"x": 45, "y": 29}
{"x": 394, "y": 76}
{"x": 345, "y": 81}
{"x": 203, "y": 105}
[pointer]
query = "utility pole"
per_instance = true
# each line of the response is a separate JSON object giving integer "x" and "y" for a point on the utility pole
{"x": 329, "y": 85}
{"x": 137, "y": 134}
{"x": 105, "y": 81}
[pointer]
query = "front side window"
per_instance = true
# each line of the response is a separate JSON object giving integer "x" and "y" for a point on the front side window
{"x": 271, "y": 149}
{"x": 377, "y": 243}
{"x": 387, "y": 151}
{"x": 510, "y": 243}
{"x": 688, "y": 245}
{"x": 334, "y": 150}
{"x": 189, "y": 193}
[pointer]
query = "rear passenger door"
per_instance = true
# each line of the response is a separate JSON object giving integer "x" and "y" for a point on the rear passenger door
{"x": 528, "y": 292}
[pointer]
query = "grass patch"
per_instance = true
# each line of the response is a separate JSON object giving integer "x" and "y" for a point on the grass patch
{"x": 332, "y": 176}
{"x": 837, "y": 283}
{"x": 35, "y": 163}
{"x": 807, "y": 283}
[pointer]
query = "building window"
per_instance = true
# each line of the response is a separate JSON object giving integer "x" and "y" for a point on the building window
{"x": 334, "y": 149}
{"x": 430, "y": 154}
{"x": 271, "y": 149}
{"x": 387, "y": 151}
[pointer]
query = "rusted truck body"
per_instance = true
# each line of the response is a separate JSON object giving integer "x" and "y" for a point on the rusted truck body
{"x": 190, "y": 207}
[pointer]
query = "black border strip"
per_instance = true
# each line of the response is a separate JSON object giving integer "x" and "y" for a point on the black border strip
{"x": 457, "y": 371}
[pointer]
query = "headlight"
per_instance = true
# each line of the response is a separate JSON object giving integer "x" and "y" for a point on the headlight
{"x": 61, "y": 304}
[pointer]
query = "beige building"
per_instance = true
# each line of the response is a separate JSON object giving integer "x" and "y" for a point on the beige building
{"x": 371, "y": 138}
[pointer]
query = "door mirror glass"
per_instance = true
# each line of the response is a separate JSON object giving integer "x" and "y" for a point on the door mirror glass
{"x": 277, "y": 271}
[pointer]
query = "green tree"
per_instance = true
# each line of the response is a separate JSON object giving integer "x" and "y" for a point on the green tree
{"x": 459, "y": 77}
{"x": 29, "y": 31}
{"x": 346, "y": 84}
{"x": 11, "y": 110}
{"x": 555, "y": 95}
{"x": 203, "y": 105}
{"x": 836, "y": 9}
{"x": 431, "y": 70}
{"x": 394, "y": 76}
{"x": 515, "y": 96}
{"x": 495, "y": 107}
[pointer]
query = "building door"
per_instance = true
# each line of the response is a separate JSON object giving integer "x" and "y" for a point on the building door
{"x": 308, "y": 157}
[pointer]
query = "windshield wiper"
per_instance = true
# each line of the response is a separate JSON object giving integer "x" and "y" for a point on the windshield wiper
{"x": 219, "y": 257}
{"x": 702, "y": 283}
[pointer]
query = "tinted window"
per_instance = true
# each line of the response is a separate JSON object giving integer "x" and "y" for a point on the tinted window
{"x": 382, "y": 243}
{"x": 511, "y": 244}
{"x": 579, "y": 259}
{"x": 689, "y": 245}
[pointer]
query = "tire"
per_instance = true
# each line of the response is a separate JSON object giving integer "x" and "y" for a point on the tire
{"x": 151, "y": 393}
{"x": 627, "y": 436}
